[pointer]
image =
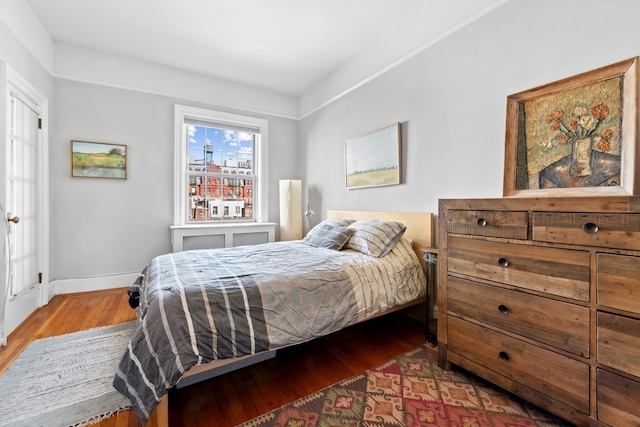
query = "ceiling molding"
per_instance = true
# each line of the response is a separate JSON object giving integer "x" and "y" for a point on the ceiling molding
{"x": 24, "y": 24}
{"x": 75, "y": 63}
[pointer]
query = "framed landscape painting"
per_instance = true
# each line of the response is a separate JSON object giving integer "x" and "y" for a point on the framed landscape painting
{"x": 98, "y": 160}
{"x": 373, "y": 159}
{"x": 576, "y": 136}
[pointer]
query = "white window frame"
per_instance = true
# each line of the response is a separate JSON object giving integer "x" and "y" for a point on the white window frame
{"x": 183, "y": 112}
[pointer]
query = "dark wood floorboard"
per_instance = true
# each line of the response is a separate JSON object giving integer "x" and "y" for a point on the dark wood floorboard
{"x": 239, "y": 396}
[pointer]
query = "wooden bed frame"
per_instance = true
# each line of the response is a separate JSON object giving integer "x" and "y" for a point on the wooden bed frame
{"x": 420, "y": 228}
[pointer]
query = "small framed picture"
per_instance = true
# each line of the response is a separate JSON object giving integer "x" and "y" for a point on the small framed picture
{"x": 98, "y": 160}
{"x": 373, "y": 159}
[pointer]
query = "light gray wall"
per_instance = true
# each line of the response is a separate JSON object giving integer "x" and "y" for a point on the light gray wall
{"x": 18, "y": 57}
{"x": 103, "y": 226}
{"x": 24, "y": 63}
{"x": 451, "y": 101}
{"x": 450, "y": 98}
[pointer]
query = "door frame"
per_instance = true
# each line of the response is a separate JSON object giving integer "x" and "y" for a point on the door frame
{"x": 12, "y": 82}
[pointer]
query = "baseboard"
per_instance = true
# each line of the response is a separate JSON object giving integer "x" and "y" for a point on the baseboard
{"x": 86, "y": 284}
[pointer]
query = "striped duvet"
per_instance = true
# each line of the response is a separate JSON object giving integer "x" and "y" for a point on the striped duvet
{"x": 200, "y": 306}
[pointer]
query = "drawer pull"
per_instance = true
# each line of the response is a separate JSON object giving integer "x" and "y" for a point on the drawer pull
{"x": 482, "y": 222}
{"x": 503, "y": 309}
{"x": 503, "y": 262}
{"x": 504, "y": 355}
{"x": 590, "y": 228}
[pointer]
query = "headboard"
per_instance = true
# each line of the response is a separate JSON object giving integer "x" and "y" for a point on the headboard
{"x": 420, "y": 225}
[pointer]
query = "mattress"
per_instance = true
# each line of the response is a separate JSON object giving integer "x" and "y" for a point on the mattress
{"x": 205, "y": 305}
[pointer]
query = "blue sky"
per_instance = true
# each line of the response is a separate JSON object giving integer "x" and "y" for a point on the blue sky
{"x": 377, "y": 150}
{"x": 227, "y": 145}
{"x": 92, "y": 147}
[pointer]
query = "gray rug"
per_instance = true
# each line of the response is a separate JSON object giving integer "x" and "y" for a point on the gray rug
{"x": 65, "y": 380}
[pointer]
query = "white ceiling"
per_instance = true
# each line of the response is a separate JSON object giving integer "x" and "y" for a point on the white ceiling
{"x": 281, "y": 45}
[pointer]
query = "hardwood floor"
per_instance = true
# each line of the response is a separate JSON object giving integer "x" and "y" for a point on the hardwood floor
{"x": 241, "y": 395}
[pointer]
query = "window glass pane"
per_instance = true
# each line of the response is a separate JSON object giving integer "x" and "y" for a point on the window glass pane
{"x": 219, "y": 198}
{"x": 212, "y": 149}
{"x": 220, "y": 165}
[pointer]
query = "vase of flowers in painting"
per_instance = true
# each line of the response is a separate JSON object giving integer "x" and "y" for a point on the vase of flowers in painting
{"x": 580, "y": 130}
{"x": 581, "y": 157}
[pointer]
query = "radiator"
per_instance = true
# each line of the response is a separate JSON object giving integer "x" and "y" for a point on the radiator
{"x": 221, "y": 236}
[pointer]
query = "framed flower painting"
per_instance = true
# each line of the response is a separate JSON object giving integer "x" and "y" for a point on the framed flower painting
{"x": 576, "y": 136}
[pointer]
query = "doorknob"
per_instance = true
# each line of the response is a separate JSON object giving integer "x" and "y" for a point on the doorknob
{"x": 13, "y": 219}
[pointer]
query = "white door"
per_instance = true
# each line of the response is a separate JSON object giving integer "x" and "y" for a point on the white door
{"x": 22, "y": 215}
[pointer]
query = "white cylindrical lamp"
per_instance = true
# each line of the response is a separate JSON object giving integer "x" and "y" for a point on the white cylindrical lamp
{"x": 290, "y": 209}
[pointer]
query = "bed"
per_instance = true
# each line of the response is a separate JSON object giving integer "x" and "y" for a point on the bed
{"x": 203, "y": 309}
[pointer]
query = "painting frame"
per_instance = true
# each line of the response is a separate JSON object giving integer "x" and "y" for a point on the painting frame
{"x": 98, "y": 160}
{"x": 374, "y": 159}
{"x": 527, "y": 142}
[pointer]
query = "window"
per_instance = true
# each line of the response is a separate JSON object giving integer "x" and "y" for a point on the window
{"x": 219, "y": 167}
{"x": 215, "y": 154}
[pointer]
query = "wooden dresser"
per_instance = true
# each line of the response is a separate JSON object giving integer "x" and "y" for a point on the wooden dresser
{"x": 542, "y": 297}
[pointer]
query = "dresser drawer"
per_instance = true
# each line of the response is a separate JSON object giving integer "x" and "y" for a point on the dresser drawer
{"x": 561, "y": 378}
{"x": 506, "y": 224}
{"x": 618, "y": 343}
{"x": 554, "y": 271}
{"x": 614, "y": 230}
{"x": 618, "y": 282}
{"x": 618, "y": 399}
{"x": 555, "y": 323}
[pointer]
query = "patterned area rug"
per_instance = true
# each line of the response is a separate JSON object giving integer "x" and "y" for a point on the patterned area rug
{"x": 65, "y": 380}
{"x": 408, "y": 391}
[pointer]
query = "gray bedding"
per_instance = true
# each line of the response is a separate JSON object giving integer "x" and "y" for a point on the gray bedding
{"x": 200, "y": 306}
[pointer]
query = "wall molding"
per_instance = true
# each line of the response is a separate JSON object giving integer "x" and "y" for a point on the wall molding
{"x": 97, "y": 283}
{"x": 97, "y": 67}
{"x": 308, "y": 105}
{"x": 180, "y": 96}
{"x": 86, "y": 65}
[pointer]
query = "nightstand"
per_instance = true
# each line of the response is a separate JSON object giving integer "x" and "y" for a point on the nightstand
{"x": 430, "y": 257}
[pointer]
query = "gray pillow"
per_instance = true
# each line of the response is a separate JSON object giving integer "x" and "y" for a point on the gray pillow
{"x": 328, "y": 222}
{"x": 330, "y": 237}
{"x": 375, "y": 237}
